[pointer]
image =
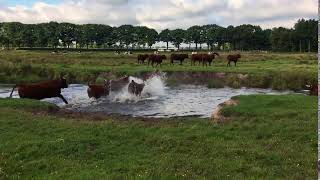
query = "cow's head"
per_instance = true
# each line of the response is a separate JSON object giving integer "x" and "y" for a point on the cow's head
{"x": 239, "y": 55}
{"x": 63, "y": 82}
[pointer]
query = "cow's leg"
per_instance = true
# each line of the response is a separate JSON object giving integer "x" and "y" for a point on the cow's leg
{"x": 63, "y": 99}
{"x": 235, "y": 63}
{"x": 228, "y": 65}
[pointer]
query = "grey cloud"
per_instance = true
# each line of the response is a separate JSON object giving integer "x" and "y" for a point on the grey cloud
{"x": 161, "y": 14}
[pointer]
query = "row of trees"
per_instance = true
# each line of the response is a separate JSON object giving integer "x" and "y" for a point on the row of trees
{"x": 303, "y": 37}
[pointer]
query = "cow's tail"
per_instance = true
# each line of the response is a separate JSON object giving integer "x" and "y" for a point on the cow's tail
{"x": 12, "y": 91}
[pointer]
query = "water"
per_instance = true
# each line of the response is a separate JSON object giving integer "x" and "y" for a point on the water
{"x": 157, "y": 100}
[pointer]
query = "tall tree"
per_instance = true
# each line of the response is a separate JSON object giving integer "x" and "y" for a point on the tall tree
{"x": 165, "y": 36}
{"x": 178, "y": 36}
{"x": 196, "y": 34}
{"x": 281, "y": 39}
{"x": 125, "y": 35}
{"x": 67, "y": 33}
{"x": 152, "y": 37}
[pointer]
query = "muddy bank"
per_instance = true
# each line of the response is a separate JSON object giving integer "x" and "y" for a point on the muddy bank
{"x": 217, "y": 115}
{"x": 277, "y": 81}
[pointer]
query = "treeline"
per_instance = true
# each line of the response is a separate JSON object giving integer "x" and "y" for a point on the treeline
{"x": 303, "y": 37}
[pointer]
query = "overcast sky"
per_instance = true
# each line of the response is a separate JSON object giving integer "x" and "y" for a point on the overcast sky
{"x": 161, "y": 14}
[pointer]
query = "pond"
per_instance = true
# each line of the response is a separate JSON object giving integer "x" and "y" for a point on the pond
{"x": 157, "y": 99}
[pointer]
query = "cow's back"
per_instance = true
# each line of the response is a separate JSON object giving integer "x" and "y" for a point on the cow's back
{"x": 36, "y": 91}
{"x": 97, "y": 91}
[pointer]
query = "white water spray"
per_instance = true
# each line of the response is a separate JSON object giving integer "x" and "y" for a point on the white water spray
{"x": 153, "y": 89}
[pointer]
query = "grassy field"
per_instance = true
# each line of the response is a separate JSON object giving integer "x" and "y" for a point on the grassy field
{"x": 267, "y": 137}
{"x": 30, "y": 66}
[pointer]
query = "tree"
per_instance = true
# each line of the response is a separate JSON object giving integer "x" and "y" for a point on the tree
{"x": 165, "y": 36}
{"x": 41, "y": 35}
{"x": 67, "y": 33}
{"x": 210, "y": 34}
{"x": 305, "y": 35}
{"x": 125, "y": 35}
{"x": 152, "y": 37}
{"x": 28, "y": 36}
{"x": 52, "y": 30}
{"x": 281, "y": 39}
{"x": 196, "y": 34}
{"x": 178, "y": 36}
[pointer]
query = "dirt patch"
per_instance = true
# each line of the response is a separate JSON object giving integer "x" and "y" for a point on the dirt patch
{"x": 217, "y": 115}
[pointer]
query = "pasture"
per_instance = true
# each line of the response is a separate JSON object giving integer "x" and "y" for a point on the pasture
{"x": 263, "y": 137}
{"x": 31, "y": 66}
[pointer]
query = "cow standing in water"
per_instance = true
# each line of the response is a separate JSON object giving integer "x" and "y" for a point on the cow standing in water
{"x": 178, "y": 57}
{"x": 234, "y": 58}
{"x": 117, "y": 85}
{"x": 42, "y": 90}
{"x": 98, "y": 91}
{"x": 135, "y": 88}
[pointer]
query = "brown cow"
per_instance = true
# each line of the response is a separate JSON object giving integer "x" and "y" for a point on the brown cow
{"x": 116, "y": 85}
{"x": 178, "y": 57}
{"x": 98, "y": 91}
{"x": 135, "y": 88}
{"x": 42, "y": 90}
{"x": 314, "y": 89}
{"x": 208, "y": 58}
{"x": 196, "y": 58}
{"x": 234, "y": 58}
{"x": 203, "y": 58}
{"x": 155, "y": 58}
{"x": 142, "y": 58}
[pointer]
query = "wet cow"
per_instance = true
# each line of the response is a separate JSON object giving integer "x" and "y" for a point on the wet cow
{"x": 135, "y": 88}
{"x": 97, "y": 91}
{"x": 233, "y": 58}
{"x": 42, "y": 90}
{"x": 178, "y": 57}
{"x": 117, "y": 85}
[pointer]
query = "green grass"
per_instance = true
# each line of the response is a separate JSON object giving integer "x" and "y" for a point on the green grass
{"x": 30, "y": 66}
{"x": 268, "y": 137}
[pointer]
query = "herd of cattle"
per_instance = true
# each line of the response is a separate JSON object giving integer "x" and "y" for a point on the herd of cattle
{"x": 52, "y": 88}
{"x": 202, "y": 58}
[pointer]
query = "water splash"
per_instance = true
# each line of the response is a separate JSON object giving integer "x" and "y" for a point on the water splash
{"x": 154, "y": 88}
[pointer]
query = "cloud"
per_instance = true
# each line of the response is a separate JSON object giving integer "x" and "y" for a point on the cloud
{"x": 161, "y": 14}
